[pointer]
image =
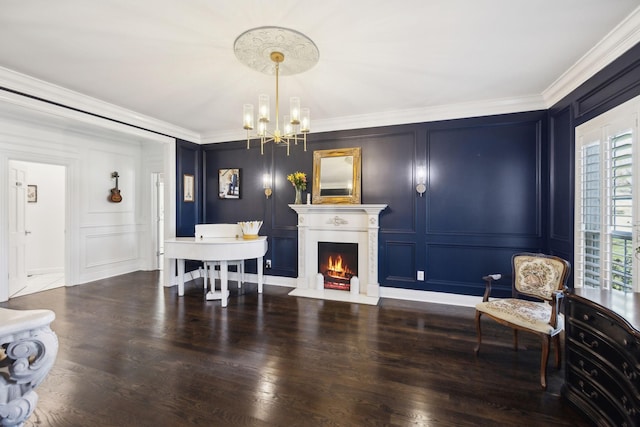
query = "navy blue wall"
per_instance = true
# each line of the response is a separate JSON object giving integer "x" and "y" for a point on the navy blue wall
{"x": 485, "y": 185}
{"x": 188, "y": 161}
{"x": 496, "y": 185}
{"x": 612, "y": 86}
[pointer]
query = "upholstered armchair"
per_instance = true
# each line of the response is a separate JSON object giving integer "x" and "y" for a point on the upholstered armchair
{"x": 538, "y": 285}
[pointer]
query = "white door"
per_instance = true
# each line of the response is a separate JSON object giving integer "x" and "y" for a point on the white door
{"x": 17, "y": 232}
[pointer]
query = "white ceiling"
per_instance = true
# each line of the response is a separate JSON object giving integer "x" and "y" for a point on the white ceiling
{"x": 381, "y": 62}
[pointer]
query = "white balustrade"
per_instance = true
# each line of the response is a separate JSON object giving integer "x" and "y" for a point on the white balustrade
{"x": 28, "y": 349}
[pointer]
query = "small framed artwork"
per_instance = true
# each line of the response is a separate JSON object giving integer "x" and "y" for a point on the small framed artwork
{"x": 228, "y": 183}
{"x": 188, "y": 188}
{"x": 32, "y": 193}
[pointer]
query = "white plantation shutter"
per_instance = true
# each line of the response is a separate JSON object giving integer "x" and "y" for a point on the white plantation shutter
{"x": 589, "y": 264}
{"x": 606, "y": 217}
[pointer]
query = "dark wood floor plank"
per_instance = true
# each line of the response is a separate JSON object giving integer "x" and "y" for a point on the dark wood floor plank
{"x": 133, "y": 353}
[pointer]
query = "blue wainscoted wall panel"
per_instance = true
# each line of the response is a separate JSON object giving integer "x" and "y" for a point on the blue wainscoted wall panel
{"x": 560, "y": 186}
{"x": 485, "y": 180}
{"x": 459, "y": 268}
{"x": 284, "y": 255}
{"x": 400, "y": 263}
{"x": 188, "y": 161}
{"x": 251, "y": 204}
{"x": 485, "y": 192}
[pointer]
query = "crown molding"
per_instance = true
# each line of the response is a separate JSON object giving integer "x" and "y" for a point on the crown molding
{"x": 619, "y": 40}
{"x": 431, "y": 114}
{"x": 100, "y": 110}
{"x": 43, "y": 113}
{"x": 408, "y": 116}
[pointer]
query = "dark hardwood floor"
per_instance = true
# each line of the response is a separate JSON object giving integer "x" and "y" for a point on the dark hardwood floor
{"x": 132, "y": 353}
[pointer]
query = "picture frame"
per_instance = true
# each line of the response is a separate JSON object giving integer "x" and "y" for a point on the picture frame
{"x": 229, "y": 183}
{"x": 337, "y": 176}
{"x": 188, "y": 188}
{"x": 32, "y": 193}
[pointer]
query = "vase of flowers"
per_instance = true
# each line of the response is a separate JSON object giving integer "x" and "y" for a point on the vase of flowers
{"x": 299, "y": 182}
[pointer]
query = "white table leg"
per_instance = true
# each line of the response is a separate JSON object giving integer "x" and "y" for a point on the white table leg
{"x": 181, "y": 277}
{"x": 224, "y": 282}
{"x": 205, "y": 264}
{"x": 260, "y": 260}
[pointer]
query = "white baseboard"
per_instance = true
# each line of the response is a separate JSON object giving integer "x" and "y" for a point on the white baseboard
{"x": 385, "y": 292}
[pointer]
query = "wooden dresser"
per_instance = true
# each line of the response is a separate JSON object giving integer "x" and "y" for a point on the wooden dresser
{"x": 602, "y": 348}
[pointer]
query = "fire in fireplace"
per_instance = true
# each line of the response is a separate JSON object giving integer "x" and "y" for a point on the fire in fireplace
{"x": 338, "y": 263}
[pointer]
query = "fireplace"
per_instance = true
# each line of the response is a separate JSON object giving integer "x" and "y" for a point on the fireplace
{"x": 339, "y": 226}
{"x": 338, "y": 263}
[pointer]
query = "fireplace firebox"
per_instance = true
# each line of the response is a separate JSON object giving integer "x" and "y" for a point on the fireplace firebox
{"x": 338, "y": 263}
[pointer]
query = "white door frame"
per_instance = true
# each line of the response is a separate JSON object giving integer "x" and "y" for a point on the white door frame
{"x": 72, "y": 204}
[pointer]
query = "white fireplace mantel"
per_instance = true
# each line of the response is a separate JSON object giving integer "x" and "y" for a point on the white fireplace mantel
{"x": 340, "y": 224}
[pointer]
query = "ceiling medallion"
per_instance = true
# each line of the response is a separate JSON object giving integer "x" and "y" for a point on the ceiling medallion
{"x": 276, "y": 51}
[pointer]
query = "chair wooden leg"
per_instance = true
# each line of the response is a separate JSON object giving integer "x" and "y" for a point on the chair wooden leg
{"x": 556, "y": 344}
{"x": 515, "y": 340}
{"x": 478, "y": 332}
{"x": 546, "y": 341}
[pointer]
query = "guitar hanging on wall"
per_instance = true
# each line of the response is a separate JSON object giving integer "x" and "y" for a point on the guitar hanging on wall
{"x": 115, "y": 196}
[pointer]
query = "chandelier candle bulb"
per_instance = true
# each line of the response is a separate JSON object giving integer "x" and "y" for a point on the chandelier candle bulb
{"x": 262, "y": 129}
{"x": 263, "y": 108}
{"x": 305, "y": 120}
{"x": 287, "y": 125}
{"x": 294, "y": 110}
{"x": 248, "y": 116}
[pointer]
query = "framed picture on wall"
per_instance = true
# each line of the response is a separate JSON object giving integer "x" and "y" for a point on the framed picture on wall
{"x": 188, "y": 188}
{"x": 229, "y": 183}
{"x": 32, "y": 193}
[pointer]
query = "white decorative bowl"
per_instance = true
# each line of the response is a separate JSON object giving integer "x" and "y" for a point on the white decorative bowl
{"x": 250, "y": 229}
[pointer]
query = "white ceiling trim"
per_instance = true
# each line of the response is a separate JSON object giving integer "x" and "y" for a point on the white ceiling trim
{"x": 12, "y": 103}
{"x": 417, "y": 115}
{"x": 44, "y": 90}
{"x": 618, "y": 41}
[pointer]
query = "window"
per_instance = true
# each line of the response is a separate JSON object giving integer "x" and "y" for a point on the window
{"x": 607, "y": 220}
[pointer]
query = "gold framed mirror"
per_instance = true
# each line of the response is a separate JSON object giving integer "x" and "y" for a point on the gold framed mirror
{"x": 336, "y": 176}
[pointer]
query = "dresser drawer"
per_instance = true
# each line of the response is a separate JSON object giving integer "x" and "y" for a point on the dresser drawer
{"x": 595, "y": 396}
{"x": 603, "y": 374}
{"x": 588, "y": 317}
{"x": 602, "y": 344}
{"x": 597, "y": 347}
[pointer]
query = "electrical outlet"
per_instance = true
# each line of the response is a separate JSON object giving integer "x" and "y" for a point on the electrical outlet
{"x": 267, "y": 263}
{"x": 420, "y": 275}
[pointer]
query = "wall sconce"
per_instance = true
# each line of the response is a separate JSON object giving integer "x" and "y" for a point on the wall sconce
{"x": 421, "y": 176}
{"x": 266, "y": 184}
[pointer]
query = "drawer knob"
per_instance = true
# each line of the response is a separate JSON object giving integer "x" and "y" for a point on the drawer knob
{"x": 630, "y": 410}
{"x": 592, "y": 395}
{"x": 629, "y": 374}
{"x": 592, "y": 373}
{"x": 592, "y": 344}
{"x": 586, "y": 317}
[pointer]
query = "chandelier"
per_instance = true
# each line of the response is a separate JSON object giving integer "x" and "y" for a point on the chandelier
{"x": 264, "y": 49}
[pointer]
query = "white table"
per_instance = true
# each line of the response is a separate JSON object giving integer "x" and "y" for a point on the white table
{"x": 222, "y": 249}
